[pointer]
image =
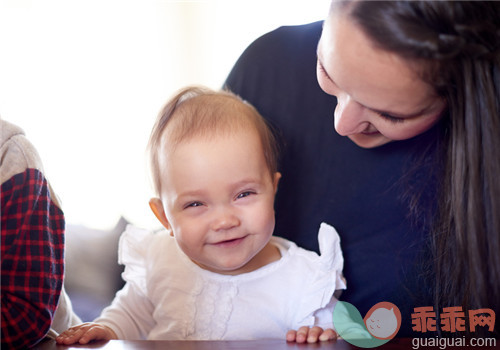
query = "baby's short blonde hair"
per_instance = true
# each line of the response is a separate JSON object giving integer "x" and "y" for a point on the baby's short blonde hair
{"x": 199, "y": 111}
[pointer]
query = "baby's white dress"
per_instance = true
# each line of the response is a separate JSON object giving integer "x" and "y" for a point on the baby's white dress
{"x": 167, "y": 296}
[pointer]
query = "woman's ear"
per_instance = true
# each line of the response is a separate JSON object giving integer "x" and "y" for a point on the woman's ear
{"x": 157, "y": 207}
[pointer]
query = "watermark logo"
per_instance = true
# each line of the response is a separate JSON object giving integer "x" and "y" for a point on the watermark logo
{"x": 452, "y": 319}
{"x": 380, "y": 324}
{"x": 383, "y": 320}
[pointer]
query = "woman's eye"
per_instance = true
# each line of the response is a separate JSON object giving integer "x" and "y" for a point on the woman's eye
{"x": 391, "y": 118}
{"x": 323, "y": 71}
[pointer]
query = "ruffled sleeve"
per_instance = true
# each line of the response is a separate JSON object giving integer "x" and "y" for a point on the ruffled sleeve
{"x": 331, "y": 254}
{"x": 322, "y": 275}
{"x": 132, "y": 252}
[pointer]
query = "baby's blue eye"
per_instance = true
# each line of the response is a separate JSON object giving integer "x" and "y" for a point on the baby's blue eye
{"x": 244, "y": 194}
{"x": 193, "y": 205}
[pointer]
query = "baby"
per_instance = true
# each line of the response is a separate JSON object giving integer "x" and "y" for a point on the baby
{"x": 216, "y": 272}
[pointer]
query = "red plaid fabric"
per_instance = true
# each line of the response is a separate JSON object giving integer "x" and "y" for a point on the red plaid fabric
{"x": 32, "y": 259}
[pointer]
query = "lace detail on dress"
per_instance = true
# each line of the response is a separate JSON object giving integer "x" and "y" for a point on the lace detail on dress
{"x": 214, "y": 304}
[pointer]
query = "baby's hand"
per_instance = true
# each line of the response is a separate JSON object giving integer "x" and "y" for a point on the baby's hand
{"x": 86, "y": 332}
{"x": 310, "y": 335}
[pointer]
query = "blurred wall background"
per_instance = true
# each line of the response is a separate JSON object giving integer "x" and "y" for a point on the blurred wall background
{"x": 85, "y": 79}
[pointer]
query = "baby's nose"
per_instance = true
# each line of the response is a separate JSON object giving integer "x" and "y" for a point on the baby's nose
{"x": 224, "y": 219}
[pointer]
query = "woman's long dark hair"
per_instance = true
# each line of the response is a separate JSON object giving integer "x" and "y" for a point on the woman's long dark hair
{"x": 455, "y": 46}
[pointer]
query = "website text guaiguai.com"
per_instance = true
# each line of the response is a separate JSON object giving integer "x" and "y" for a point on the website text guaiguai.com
{"x": 443, "y": 343}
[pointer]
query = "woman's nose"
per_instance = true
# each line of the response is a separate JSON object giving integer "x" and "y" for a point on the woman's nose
{"x": 224, "y": 219}
{"x": 349, "y": 116}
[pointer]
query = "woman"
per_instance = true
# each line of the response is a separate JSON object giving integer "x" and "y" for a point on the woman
{"x": 413, "y": 190}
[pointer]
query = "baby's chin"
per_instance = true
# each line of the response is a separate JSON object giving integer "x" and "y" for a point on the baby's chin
{"x": 229, "y": 269}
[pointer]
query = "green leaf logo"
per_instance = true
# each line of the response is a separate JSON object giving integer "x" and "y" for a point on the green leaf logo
{"x": 380, "y": 324}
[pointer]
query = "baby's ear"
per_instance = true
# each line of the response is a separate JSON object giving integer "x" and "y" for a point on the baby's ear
{"x": 156, "y": 206}
{"x": 276, "y": 180}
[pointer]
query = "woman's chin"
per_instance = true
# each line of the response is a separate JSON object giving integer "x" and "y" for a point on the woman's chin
{"x": 369, "y": 140}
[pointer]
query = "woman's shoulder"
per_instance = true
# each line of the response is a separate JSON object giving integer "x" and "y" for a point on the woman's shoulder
{"x": 285, "y": 37}
{"x": 272, "y": 56}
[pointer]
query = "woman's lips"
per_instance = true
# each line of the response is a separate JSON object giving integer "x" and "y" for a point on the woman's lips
{"x": 370, "y": 133}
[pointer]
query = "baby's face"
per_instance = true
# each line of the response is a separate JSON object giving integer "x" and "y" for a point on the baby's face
{"x": 218, "y": 197}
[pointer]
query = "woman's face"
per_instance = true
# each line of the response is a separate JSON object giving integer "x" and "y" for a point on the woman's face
{"x": 379, "y": 97}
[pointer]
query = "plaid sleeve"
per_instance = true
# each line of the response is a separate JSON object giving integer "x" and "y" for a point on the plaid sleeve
{"x": 32, "y": 250}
